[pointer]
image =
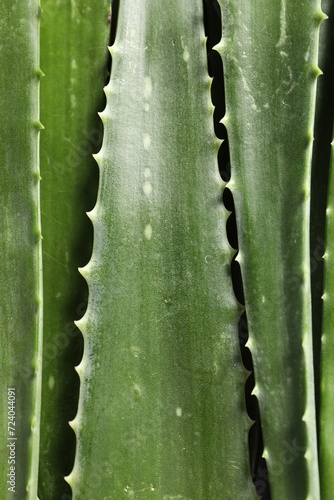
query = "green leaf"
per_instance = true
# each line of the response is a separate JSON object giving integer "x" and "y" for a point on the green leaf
{"x": 269, "y": 51}
{"x": 161, "y": 411}
{"x": 326, "y": 446}
{"x": 321, "y": 151}
{"x": 74, "y": 37}
{"x": 20, "y": 247}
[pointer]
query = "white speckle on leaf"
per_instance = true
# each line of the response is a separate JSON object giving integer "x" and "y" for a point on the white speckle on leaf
{"x": 135, "y": 350}
{"x": 147, "y": 188}
{"x": 147, "y": 141}
{"x": 51, "y": 382}
{"x": 179, "y": 412}
{"x": 73, "y": 101}
{"x": 186, "y": 55}
{"x": 136, "y": 389}
{"x": 148, "y": 86}
{"x": 148, "y": 231}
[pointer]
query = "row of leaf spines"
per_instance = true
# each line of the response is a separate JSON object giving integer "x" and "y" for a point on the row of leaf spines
{"x": 32, "y": 486}
{"x": 217, "y": 108}
{"x": 215, "y": 80}
{"x": 326, "y": 457}
{"x": 22, "y": 152}
{"x": 82, "y": 369}
{"x": 310, "y": 409}
{"x": 254, "y": 434}
{"x": 83, "y": 366}
{"x": 258, "y": 463}
{"x": 217, "y": 95}
{"x": 255, "y": 442}
{"x": 326, "y": 378}
{"x": 258, "y": 467}
{"x": 319, "y": 179}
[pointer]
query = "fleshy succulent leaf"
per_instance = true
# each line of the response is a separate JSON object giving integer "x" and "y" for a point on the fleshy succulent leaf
{"x": 269, "y": 52}
{"x": 20, "y": 244}
{"x": 326, "y": 444}
{"x": 162, "y": 410}
{"x": 74, "y": 37}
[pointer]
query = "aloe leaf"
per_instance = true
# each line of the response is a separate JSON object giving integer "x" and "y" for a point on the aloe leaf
{"x": 161, "y": 410}
{"x": 74, "y": 38}
{"x": 20, "y": 245}
{"x": 320, "y": 171}
{"x": 326, "y": 446}
{"x": 269, "y": 51}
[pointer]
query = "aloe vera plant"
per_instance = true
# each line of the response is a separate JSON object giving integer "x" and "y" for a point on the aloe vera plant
{"x": 71, "y": 95}
{"x": 164, "y": 408}
{"x": 160, "y": 330}
{"x": 20, "y": 243}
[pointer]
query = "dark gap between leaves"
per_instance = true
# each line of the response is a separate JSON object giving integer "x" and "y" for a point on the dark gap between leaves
{"x": 319, "y": 183}
{"x": 212, "y": 22}
{"x": 84, "y": 250}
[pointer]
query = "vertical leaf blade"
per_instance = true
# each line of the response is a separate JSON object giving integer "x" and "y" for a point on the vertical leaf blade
{"x": 20, "y": 244}
{"x": 269, "y": 52}
{"x": 161, "y": 409}
{"x": 74, "y": 37}
{"x": 327, "y": 348}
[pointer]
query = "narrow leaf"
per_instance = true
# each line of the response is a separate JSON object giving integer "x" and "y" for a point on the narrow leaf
{"x": 269, "y": 51}
{"x": 327, "y": 351}
{"x": 20, "y": 246}
{"x": 74, "y": 37}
